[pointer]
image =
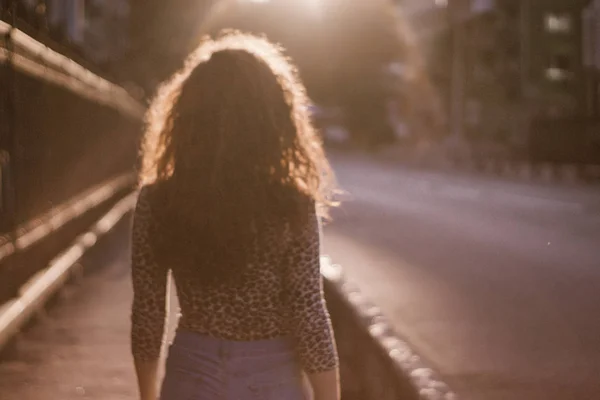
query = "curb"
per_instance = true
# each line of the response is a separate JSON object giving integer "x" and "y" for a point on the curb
{"x": 405, "y": 364}
{"x": 34, "y": 294}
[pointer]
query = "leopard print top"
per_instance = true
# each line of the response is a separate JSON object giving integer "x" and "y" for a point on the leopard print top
{"x": 252, "y": 310}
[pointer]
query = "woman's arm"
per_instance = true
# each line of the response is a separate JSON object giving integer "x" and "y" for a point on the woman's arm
{"x": 149, "y": 303}
{"x": 147, "y": 378}
{"x": 325, "y": 385}
{"x": 311, "y": 324}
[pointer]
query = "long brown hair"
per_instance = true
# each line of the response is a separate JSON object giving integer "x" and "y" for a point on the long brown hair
{"x": 229, "y": 147}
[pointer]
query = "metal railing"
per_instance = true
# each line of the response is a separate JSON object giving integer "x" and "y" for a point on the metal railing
{"x": 33, "y": 295}
{"x": 61, "y": 122}
{"x": 65, "y": 135}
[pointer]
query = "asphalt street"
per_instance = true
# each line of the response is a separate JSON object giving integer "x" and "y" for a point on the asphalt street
{"x": 495, "y": 283}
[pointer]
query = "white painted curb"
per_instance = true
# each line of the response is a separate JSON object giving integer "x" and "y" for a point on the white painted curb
{"x": 426, "y": 382}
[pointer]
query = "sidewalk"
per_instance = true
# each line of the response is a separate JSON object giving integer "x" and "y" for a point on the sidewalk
{"x": 80, "y": 349}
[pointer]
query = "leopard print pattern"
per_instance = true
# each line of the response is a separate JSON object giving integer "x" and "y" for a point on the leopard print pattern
{"x": 280, "y": 294}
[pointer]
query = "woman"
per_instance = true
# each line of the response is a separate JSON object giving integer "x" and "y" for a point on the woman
{"x": 234, "y": 182}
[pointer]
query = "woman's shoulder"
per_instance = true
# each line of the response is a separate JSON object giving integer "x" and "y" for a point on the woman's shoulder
{"x": 148, "y": 193}
{"x": 147, "y": 197}
{"x": 146, "y": 188}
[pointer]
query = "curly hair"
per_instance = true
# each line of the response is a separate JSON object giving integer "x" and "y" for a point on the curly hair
{"x": 230, "y": 147}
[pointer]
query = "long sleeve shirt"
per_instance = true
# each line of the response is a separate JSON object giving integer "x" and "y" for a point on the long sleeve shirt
{"x": 279, "y": 295}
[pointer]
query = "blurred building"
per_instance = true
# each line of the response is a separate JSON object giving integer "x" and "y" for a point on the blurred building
{"x": 519, "y": 76}
{"x": 98, "y": 29}
{"x": 430, "y": 31}
{"x": 106, "y": 31}
{"x": 66, "y": 19}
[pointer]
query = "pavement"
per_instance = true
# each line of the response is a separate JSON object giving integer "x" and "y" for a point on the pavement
{"x": 495, "y": 283}
{"x": 79, "y": 348}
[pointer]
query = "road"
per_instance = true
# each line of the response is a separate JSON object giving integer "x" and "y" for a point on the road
{"x": 495, "y": 283}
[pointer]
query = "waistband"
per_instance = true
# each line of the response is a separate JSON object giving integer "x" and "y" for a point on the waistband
{"x": 193, "y": 342}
